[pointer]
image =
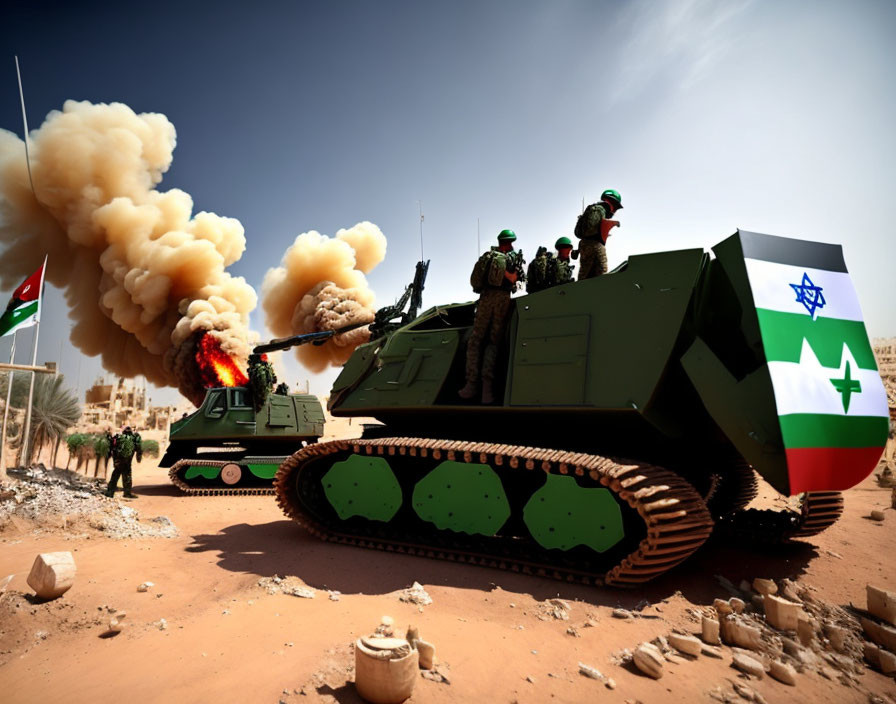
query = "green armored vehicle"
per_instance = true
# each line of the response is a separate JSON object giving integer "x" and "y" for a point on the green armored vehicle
{"x": 634, "y": 413}
{"x": 225, "y": 446}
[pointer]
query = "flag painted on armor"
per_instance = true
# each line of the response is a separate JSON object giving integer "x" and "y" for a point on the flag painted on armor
{"x": 23, "y": 309}
{"x": 831, "y": 402}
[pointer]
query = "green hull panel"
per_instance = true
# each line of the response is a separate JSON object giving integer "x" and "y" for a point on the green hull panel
{"x": 563, "y": 515}
{"x": 263, "y": 471}
{"x": 363, "y": 486}
{"x": 465, "y": 498}
{"x": 206, "y": 472}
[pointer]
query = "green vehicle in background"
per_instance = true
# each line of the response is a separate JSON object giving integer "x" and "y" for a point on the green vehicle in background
{"x": 226, "y": 447}
{"x": 635, "y": 412}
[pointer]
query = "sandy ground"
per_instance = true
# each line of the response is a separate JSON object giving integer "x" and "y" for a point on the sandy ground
{"x": 228, "y": 640}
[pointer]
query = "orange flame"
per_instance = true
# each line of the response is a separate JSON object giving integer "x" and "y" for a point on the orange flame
{"x": 216, "y": 367}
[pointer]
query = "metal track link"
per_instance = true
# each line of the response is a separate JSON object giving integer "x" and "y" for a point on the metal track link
{"x": 819, "y": 510}
{"x": 175, "y": 474}
{"x": 677, "y": 520}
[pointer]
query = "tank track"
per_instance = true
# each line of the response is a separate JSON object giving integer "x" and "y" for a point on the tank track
{"x": 819, "y": 510}
{"x": 175, "y": 475}
{"x": 676, "y": 520}
{"x": 733, "y": 491}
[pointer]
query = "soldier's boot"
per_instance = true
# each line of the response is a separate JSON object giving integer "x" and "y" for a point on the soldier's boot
{"x": 468, "y": 391}
{"x": 488, "y": 394}
{"x": 127, "y": 484}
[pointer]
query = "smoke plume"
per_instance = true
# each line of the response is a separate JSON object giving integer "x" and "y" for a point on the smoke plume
{"x": 320, "y": 285}
{"x": 144, "y": 278}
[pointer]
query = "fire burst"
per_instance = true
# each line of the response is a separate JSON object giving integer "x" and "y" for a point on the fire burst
{"x": 216, "y": 367}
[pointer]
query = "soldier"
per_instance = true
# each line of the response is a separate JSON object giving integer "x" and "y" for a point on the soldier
{"x": 124, "y": 446}
{"x": 592, "y": 228}
{"x": 261, "y": 379}
{"x": 560, "y": 268}
{"x": 496, "y": 275}
{"x": 282, "y": 389}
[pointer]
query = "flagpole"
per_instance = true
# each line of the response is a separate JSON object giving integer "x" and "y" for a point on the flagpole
{"x": 27, "y": 436}
{"x": 12, "y": 359}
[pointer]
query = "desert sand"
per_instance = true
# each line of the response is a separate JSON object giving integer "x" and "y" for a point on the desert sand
{"x": 225, "y": 638}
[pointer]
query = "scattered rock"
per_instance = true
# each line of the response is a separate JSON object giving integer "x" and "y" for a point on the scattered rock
{"x": 610, "y": 683}
{"x": 711, "y": 651}
{"x": 573, "y": 631}
{"x": 710, "y": 630}
{"x": 880, "y": 633}
{"x": 415, "y": 594}
{"x": 877, "y": 515}
{"x": 591, "y": 672}
{"x": 162, "y": 624}
{"x": 334, "y": 596}
{"x": 882, "y": 603}
{"x": 836, "y": 636}
{"x": 145, "y": 587}
{"x": 782, "y": 672}
{"x": 116, "y": 622}
{"x": 427, "y": 654}
{"x": 530, "y": 679}
{"x": 52, "y": 574}
{"x": 738, "y": 633}
{"x": 746, "y": 664}
{"x": 722, "y": 607}
{"x": 765, "y": 586}
{"x": 559, "y": 609}
{"x": 887, "y": 661}
{"x": 685, "y": 644}
{"x": 781, "y": 613}
{"x": 622, "y": 613}
{"x": 649, "y": 660}
{"x": 805, "y": 630}
{"x": 737, "y": 605}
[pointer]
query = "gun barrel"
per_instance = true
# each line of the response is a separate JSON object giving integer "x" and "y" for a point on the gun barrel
{"x": 284, "y": 343}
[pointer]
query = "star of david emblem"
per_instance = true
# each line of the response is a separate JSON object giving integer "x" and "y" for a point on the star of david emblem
{"x": 809, "y": 295}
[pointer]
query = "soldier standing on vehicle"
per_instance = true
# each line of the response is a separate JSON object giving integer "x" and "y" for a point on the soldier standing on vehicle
{"x": 495, "y": 276}
{"x": 124, "y": 446}
{"x": 261, "y": 379}
{"x": 592, "y": 228}
{"x": 560, "y": 268}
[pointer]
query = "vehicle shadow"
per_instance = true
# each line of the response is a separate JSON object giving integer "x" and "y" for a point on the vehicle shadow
{"x": 283, "y": 548}
{"x": 167, "y": 489}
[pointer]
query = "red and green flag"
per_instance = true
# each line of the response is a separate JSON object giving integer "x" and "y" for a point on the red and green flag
{"x": 23, "y": 309}
{"x": 831, "y": 402}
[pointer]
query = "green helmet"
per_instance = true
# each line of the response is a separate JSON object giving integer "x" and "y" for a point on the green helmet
{"x": 506, "y": 236}
{"x": 563, "y": 242}
{"x": 612, "y": 195}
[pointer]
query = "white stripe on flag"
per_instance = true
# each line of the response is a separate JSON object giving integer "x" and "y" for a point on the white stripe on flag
{"x": 807, "y": 387}
{"x": 772, "y": 290}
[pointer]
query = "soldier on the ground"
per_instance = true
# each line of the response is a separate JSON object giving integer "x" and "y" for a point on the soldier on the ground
{"x": 261, "y": 379}
{"x": 495, "y": 276}
{"x": 592, "y": 228}
{"x": 124, "y": 446}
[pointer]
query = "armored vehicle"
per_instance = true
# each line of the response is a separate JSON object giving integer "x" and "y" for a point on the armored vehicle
{"x": 225, "y": 446}
{"x": 635, "y": 411}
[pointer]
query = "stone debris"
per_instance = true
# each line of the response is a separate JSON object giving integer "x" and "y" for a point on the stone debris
{"x": 161, "y": 624}
{"x": 610, "y": 683}
{"x": 554, "y": 608}
{"x": 427, "y": 653}
{"x": 764, "y": 586}
{"x": 782, "y": 672}
{"x": 710, "y": 630}
{"x": 749, "y": 665}
{"x": 878, "y": 515}
{"x": 649, "y": 660}
{"x": 781, "y": 613}
{"x": 291, "y": 586}
{"x": 573, "y": 631}
{"x": 880, "y": 633}
{"x": 591, "y": 672}
{"x": 745, "y": 692}
{"x": 722, "y": 607}
{"x": 737, "y": 605}
{"x": 887, "y": 661}
{"x": 334, "y": 596}
{"x": 685, "y": 644}
{"x": 882, "y": 603}
{"x": 622, "y": 613}
{"x": 836, "y": 636}
{"x": 740, "y": 633}
{"x": 415, "y": 594}
{"x": 52, "y": 574}
{"x": 145, "y": 587}
{"x": 116, "y": 622}
{"x": 60, "y": 498}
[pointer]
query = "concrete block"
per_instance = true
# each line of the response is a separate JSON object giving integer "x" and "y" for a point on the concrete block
{"x": 710, "y": 631}
{"x": 52, "y": 574}
{"x": 882, "y": 603}
{"x": 745, "y": 663}
{"x": 649, "y": 660}
{"x": 880, "y": 633}
{"x": 887, "y": 661}
{"x": 740, "y": 634}
{"x": 685, "y": 644}
{"x": 427, "y": 654}
{"x": 781, "y": 613}
{"x": 764, "y": 586}
{"x": 782, "y": 672}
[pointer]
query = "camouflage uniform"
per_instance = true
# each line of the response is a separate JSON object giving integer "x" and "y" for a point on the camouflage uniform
{"x": 261, "y": 380}
{"x": 592, "y": 249}
{"x": 560, "y": 271}
{"x": 489, "y": 324}
{"x": 124, "y": 446}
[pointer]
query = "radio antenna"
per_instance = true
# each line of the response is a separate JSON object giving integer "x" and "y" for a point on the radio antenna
{"x": 25, "y": 123}
{"x": 420, "y": 205}
{"x": 478, "y": 245}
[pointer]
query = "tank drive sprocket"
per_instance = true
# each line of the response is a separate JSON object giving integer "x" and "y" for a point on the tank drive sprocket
{"x": 571, "y": 516}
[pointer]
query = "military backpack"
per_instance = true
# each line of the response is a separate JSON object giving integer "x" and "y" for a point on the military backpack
{"x": 537, "y": 273}
{"x": 488, "y": 271}
{"x": 588, "y": 224}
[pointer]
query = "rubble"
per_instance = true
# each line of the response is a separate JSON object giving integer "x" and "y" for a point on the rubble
{"x": 710, "y": 630}
{"x": 781, "y": 613}
{"x": 115, "y": 622}
{"x": 649, "y": 660}
{"x": 739, "y": 633}
{"x": 622, "y": 613}
{"x": 782, "y": 672}
{"x": 415, "y": 594}
{"x": 882, "y": 603}
{"x": 291, "y": 586}
{"x": 685, "y": 644}
{"x": 765, "y": 586}
{"x": 591, "y": 672}
{"x": 145, "y": 586}
{"x": 878, "y": 515}
{"x": 749, "y": 665}
{"x": 52, "y": 574}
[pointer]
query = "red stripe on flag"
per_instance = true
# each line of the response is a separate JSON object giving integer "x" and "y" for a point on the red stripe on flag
{"x": 829, "y": 468}
{"x": 30, "y": 288}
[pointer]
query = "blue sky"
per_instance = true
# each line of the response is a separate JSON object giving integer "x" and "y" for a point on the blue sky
{"x": 775, "y": 117}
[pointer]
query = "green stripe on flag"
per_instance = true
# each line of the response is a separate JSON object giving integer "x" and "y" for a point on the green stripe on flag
{"x": 783, "y": 333}
{"x": 16, "y": 317}
{"x": 814, "y": 430}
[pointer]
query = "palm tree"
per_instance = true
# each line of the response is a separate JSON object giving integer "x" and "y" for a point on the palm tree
{"x": 54, "y": 410}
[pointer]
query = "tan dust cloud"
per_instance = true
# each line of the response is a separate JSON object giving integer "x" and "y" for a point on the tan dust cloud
{"x": 320, "y": 285}
{"x": 143, "y": 276}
